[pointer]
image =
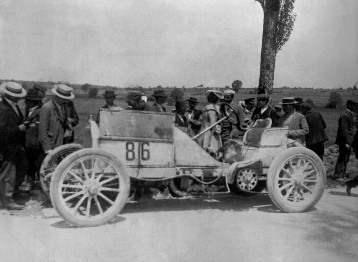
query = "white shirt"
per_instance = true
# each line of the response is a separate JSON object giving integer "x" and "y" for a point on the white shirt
{"x": 263, "y": 109}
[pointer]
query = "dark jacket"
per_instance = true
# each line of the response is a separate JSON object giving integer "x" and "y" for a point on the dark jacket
{"x": 32, "y": 132}
{"x": 158, "y": 108}
{"x": 345, "y": 132}
{"x": 270, "y": 112}
{"x": 316, "y": 125}
{"x": 195, "y": 125}
{"x": 11, "y": 138}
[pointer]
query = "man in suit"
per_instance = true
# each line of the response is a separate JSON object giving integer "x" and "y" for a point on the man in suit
{"x": 181, "y": 120}
{"x": 263, "y": 110}
{"x": 317, "y": 136}
{"x": 109, "y": 96}
{"x": 12, "y": 139}
{"x": 55, "y": 125}
{"x": 296, "y": 122}
{"x": 33, "y": 102}
{"x": 344, "y": 139}
{"x": 160, "y": 98}
{"x": 193, "y": 117}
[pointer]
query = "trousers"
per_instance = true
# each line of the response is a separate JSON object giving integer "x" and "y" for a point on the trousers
{"x": 7, "y": 181}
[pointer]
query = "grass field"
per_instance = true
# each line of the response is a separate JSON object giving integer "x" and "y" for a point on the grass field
{"x": 90, "y": 106}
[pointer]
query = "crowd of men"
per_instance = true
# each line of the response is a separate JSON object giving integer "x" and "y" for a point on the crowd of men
{"x": 26, "y": 138}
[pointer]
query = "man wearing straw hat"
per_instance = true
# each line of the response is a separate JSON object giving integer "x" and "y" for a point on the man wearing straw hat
{"x": 12, "y": 139}
{"x": 54, "y": 122}
{"x": 296, "y": 122}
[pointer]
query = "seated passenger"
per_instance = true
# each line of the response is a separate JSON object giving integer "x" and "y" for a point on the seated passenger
{"x": 135, "y": 102}
{"x": 211, "y": 114}
{"x": 109, "y": 96}
{"x": 229, "y": 130}
{"x": 296, "y": 122}
{"x": 263, "y": 110}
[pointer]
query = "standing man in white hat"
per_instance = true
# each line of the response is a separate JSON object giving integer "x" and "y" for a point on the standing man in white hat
{"x": 12, "y": 140}
{"x": 54, "y": 122}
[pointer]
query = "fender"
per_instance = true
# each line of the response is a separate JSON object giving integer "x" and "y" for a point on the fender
{"x": 230, "y": 172}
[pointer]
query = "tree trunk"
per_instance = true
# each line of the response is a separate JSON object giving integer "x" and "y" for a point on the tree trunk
{"x": 268, "y": 49}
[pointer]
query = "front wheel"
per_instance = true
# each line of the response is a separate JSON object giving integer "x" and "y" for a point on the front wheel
{"x": 296, "y": 180}
{"x": 89, "y": 187}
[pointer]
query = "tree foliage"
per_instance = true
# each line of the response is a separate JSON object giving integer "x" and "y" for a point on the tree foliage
{"x": 236, "y": 85}
{"x": 285, "y": 23}
{"x": 93, "y": 92}
{"x": 85, "y": 87}
{"x": 177, "y": 94}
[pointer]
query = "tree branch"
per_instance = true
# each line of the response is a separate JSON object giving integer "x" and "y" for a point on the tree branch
{"x": 262, "y": 2}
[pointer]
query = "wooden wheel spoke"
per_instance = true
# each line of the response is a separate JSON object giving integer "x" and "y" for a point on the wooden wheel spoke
{"x": 310, "y": 181}
{"x": 72, "y": 186}
{"x": 108, "y": 180}
{"x": 109, "y": 189}
{"x": 105, "y": 198}
{"x": 285, "y": 179}
{"x": 289, "y": 191}
{"x": 75, "y": 176}
{"x": 85, "y": 170}
{"x": 79, "y": 204}
{"x": 98, "y": 205}
{"x": 89, "y": 201}
{"x": 287, "y": 172}
{"x": 285, "y": 186}
{"x": 311, "y": 172}
{"x": 73, "y": 196}
{"x": 307, "y": 188}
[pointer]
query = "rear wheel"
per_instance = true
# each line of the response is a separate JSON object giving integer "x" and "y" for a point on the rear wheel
{"x": 51, "y": 161}
{"x": 89, "y": 187}
{"x": 296, "y": 180}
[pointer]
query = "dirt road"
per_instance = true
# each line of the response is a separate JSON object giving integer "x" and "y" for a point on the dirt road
{"x": 220, "y": 228}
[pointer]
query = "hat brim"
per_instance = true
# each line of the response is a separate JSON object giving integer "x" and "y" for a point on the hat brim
{"x": 20, "y": 95}
{"x": 109, "y": 96}
{"x": 293, "y": 103}
{"x": 192, "y": 101}
{"x": 54, "y": 91}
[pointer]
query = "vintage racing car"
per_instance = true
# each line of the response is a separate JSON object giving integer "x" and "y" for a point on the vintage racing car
{"x": 90, "y": 184}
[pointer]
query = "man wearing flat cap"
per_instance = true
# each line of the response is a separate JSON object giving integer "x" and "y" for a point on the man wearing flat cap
{"x": 56, "y": 120}
{"x": 12, "y": 141}
{"x": 317, "y": 136}
{"x": 263, "y": 110}
{"x": 160, "y": 98}
{"x": 193, "y": 116}
{"x": 109, "y": 96}
{"x": 295, "y": 121}
{"x": 344, "y": 139}
{"x": 135, "y": 102}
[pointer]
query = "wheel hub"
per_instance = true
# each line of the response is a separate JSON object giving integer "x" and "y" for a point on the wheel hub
{"x": 247, "y": 179}
{"x": 92, "y": 188}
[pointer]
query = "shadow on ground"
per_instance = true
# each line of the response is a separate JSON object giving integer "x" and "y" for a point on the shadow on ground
{"x": 224, "y": 202}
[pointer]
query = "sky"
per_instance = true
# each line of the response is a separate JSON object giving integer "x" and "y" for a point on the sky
{"x": 174, "y": 43}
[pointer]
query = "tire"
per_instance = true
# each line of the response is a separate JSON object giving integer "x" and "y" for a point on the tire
{"x": 296, "y": 180}
{"x": 89, "y": 187}
{"x": 50, "y": 163}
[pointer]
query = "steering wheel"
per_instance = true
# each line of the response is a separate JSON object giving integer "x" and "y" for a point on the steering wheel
{"x": 229, "y": 112}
